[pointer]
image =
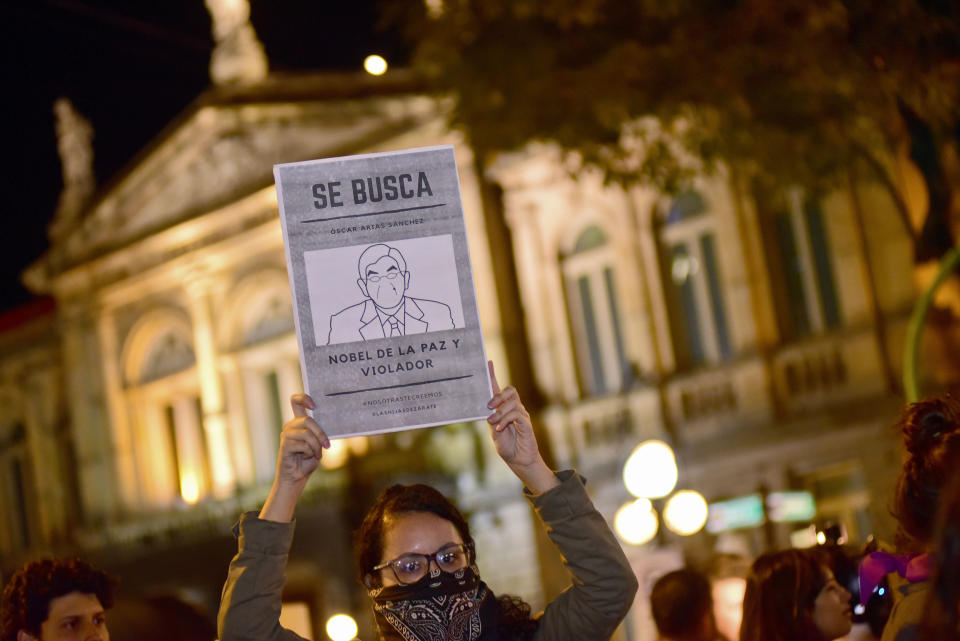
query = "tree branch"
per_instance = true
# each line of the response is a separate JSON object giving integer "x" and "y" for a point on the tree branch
{"x": 881, "y": 173}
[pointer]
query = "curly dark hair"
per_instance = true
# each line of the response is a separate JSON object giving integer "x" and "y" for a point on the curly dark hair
{"x": 27, "y": 596}
{"x": 781, "y": 590}
{"x": 516, "y": 622}
{"x": 931, "y": 434}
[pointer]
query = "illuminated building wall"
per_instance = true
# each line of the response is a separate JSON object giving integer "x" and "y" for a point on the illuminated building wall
{"x": 756, "y": 334}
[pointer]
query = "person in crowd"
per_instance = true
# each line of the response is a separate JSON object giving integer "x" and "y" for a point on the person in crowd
{"x": 417, "y": 558}
{"x": 844, "y": 563}
{"x": 57, "y": 600}
{"x": 728, "y": 581}
{"x": 682, "y": 607}
{"x": 792, "y": 595}
{"x": 942, "y": 611}
{"x": 931, "y": 434}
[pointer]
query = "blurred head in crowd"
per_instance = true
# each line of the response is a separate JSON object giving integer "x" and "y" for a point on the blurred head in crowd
{"x": 931, "y": 434}
{"x": 728, "y": 581}
{"x": 793, "y": 596}
{"x": 942, "y": 615}
{"x": 682, "y": 606}
{"x": 57, "y": 600}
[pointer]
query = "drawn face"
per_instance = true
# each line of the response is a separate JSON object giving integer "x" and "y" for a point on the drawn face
{"x": 384, "y": 282}
{"x": 76, "y": 616}
{"x": 831, "y": 609}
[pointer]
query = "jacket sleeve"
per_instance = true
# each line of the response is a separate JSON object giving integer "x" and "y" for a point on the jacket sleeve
{"x": 251, "y": 599}
{"x": 603, "y": 585}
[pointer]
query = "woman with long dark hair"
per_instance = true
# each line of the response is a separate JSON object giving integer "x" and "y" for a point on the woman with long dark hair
{"x": 416, "y": 555}
{"x": 793, "y": 596}
{"x": 931, "y": 435}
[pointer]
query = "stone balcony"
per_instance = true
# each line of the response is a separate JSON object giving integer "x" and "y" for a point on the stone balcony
{"x": 706, "y": 404}
{"x": 826, "y": 370}
{"x": 602, "y": 431}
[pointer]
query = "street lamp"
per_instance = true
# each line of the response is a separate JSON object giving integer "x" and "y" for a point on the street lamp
{"x": 685, "y": 512}
{"x": 375, "y": 65}
{"x": 636, "y": 522}
{"x": 651, "y": 470}
{"x": 341, "y": 627}
{"x": 651, "y": 473}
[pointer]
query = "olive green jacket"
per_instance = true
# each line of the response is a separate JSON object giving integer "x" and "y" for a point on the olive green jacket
{"x": 907, "y": 613}
{"x": 590, "y": 609}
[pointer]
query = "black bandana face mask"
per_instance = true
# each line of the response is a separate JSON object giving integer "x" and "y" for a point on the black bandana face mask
{"x": 441, "y": 606}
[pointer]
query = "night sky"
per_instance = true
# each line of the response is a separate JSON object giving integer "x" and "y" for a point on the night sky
{"x": 130, "y": 68}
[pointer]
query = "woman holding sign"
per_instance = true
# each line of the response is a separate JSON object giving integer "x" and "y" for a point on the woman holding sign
{"x": 416, "y": 554}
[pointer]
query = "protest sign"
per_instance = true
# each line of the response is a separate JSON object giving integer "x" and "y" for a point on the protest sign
{"x": 384, "y": 300}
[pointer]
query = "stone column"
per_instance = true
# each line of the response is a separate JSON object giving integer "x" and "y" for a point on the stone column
{"x": 81, "y": 362}
{"x": 290, "y": 382}
{"x": 223, "y": 479}
{"x": 262, "y": 431}
{"x": 190, "y": 456}
{"x": 238, "y": 425}
{"x": 39, "y": 399}
{"x": 123, "y": 454}
{"x": 156, "y": 465}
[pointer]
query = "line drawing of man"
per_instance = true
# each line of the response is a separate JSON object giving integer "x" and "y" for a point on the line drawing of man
{"x": 387, "y": 310}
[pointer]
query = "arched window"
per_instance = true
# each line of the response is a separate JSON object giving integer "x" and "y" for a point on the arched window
{"x": 168, "y": 354}
{"x": 692, "y": 283}
{"x": 164, "y": 400}
{"x": 804, "y": 289}
{"x": 591, "y": 292}
{"x": 262, "y": 343}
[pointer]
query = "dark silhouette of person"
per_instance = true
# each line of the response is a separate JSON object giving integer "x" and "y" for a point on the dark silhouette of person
{"x": 387, "y": 311}
{"x": 682, "y": 607}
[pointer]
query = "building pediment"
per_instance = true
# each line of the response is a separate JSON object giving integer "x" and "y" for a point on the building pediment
{"x": 219, "y": 153}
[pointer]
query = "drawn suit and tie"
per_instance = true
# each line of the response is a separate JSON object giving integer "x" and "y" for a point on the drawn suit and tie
{"x": 387, "y": 310}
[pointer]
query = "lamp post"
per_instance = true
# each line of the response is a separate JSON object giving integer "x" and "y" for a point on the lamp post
{"x": 651, "y": 473}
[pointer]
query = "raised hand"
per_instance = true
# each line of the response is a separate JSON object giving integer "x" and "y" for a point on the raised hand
{"x": 514, "y": 439}
{"x": 301, "y": 447}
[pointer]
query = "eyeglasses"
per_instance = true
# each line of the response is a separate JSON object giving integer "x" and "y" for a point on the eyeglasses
{"x": 411, "y": 567}
{"x": 374, "y": 278}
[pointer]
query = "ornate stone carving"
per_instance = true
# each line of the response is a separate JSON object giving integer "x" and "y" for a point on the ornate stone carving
{"x": 75, "y": 145}
{"x": 238, "y": 56}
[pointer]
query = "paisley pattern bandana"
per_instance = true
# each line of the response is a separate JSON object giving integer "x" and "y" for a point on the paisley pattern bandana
{"x": 441, "y": 606}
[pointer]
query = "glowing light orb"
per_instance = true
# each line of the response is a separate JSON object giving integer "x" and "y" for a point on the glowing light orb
{"x": 189, "y": 487}
{"x": 341, "y": 627}
{"x": 685, "y": 512}
{"x": 636, "y": 522}
{"x": 375, "y": 65}
{"x": 651, "y": 470}
{"x": 434, "y": 8}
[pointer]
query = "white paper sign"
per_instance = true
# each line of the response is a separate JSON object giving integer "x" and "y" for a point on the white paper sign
{"x": 384, "y": 300}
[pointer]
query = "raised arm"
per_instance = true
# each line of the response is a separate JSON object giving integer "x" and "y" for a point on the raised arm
{"x": 251, "y": 599}
{"x": 301, "y": 445}
{"x": 603, "y": 583}
{"x": 513, "y": 436}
